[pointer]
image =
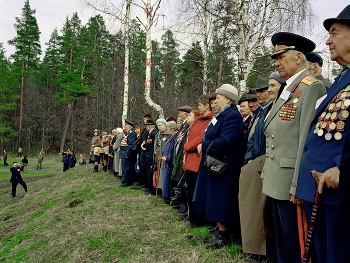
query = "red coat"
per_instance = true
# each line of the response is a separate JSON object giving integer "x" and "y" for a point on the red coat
{"x": 195, "y": 134}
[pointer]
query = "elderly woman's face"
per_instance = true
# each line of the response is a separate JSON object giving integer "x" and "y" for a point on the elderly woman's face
{"x": 190, "y": 118}
{"x": 161, "y": 126}
{"x": 222, "y": 101}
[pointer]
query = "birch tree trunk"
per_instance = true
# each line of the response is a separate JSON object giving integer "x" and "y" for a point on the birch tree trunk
{"x": 126, "y": 61}
{"x": 147, "y": 84}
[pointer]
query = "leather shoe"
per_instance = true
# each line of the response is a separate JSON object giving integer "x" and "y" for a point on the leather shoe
{"x": 222, "y": 239}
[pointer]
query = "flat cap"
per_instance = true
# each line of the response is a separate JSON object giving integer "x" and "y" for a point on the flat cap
{"x": 343, "y": 17}
{"x": 314, "y": 58}
{"x": 185, "y": 109}
{"x": 284, "y": 41}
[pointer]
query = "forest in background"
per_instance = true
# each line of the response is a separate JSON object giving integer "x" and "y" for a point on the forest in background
{"x": 58, "y": 96}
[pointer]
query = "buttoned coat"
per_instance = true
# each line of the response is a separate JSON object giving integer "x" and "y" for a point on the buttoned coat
{"x": 285, "y": 138}
{"x": 125, "y": 151}
{"x": 216, "y": 195}
{"x": 116, "y": 157}
{"x": 192, "y": 158}
{"x": 320, "y": 154}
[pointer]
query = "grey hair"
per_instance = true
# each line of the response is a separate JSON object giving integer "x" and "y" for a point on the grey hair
{"x": 293, "y": 53}
{"x": 171, "y": 125}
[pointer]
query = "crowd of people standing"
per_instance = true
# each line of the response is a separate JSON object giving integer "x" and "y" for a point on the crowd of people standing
{"x": 246, "y": 171}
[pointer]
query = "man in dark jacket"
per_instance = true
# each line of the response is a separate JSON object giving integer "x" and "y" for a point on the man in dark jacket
{"x": 126, "y": 155}
{"x": 314, "y": 66}
{"x": 148, "y": 151}
{"x": 16, "y": 178}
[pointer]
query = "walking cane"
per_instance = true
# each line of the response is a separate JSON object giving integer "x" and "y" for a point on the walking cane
{"x": 310, "y": 233}
{"x": 157, "y": 179}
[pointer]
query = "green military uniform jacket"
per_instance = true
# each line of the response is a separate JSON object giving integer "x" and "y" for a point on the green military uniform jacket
{"x": 286, "y": 128}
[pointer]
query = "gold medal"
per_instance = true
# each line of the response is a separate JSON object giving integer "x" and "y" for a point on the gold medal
{"x": 338, "y": 105}
{"x": 332, "y": 126}
{"x": 320, "y": 132}
{"x": 323, "y": 114}
{"x": 324, "y": 125}
{"x": 328, "y": 136}
{"x": 328, "y": 116}
{"x": 343, "y": 95}
{"x": 347, "y": 88}
{"x": 338, "y": 136}
{"x": 345, "y": 114}
{"x": 295, "y": 100}
{"x": 334, "y": 115}
{"x": 331, "y": 106}
{"x": 347, "y": 103}
{"x": 316, "y": 130}
{"x": 340, "y": 125}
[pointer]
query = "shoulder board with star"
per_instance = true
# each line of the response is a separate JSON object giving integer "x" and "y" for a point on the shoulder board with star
{"x": 308, "y": 80}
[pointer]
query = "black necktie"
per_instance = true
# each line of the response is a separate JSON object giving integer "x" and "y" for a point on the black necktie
{"x": 281, "y": 89}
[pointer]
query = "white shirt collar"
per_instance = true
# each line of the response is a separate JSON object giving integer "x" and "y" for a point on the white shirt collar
{"x": 292, "y": 78}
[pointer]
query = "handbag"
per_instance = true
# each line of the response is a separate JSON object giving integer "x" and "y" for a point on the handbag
{"x": 212, "y": 164}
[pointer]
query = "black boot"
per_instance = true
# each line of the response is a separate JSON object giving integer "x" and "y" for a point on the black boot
{"x": 222, "y": 239}
{"x": 212, "y": 239}
{"x": 105, "y": 168}
{"x": 96, "y": 168}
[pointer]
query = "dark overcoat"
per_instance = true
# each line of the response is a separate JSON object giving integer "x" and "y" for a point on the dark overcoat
{"x": 321, "y": 154}
{"x": 216, "y": 195}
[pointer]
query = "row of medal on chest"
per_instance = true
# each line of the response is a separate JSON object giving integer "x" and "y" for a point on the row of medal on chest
{"x": 331, "y": 122}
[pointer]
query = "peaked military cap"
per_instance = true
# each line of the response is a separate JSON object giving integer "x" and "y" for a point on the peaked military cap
{"x": 343, "y": 17}
{"x": 129, "y": 122}
{"x": 284, "y": 41}
{"x": 314, "y": 57}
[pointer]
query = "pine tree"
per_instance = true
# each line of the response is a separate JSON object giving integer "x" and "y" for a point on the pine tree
{"x": 8, "y": 96}
{"x": 168, "y": 69}
{"x": 191, "y": 73}
{"x": 27, "y": 55}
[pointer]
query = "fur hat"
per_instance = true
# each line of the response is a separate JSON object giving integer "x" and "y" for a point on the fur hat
{"x": 276, "y": 76}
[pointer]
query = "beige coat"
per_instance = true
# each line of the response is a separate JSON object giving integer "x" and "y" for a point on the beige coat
{"x": 285, "y": 139}
{"x": 254, "y": 208}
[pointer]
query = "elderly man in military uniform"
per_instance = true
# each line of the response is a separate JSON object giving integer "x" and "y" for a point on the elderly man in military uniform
{"x": 126, "y": 155}
{"x": 323, "y": 150}
{"x": 314, "y": 66}
{"x": 286, "y": 127}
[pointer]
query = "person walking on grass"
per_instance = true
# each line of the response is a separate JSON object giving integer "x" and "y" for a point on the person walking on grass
{"x": 40, "y": 158}
{"x": 16, "y": 178}
{"x": 5, "y": 158}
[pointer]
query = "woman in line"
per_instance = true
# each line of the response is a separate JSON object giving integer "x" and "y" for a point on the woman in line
{"x": 118, "y": 135}
{"x": 104, "y": 150}
{"x": 167, "y": 159}
{"x": 198, "y": 120}
{"x": 159, "y": 142}
{"x": 95, "y": 149}
{"x": 216, "y": 195}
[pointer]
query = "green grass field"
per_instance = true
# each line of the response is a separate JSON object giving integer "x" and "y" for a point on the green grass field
{"x": 81, "y": 216}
